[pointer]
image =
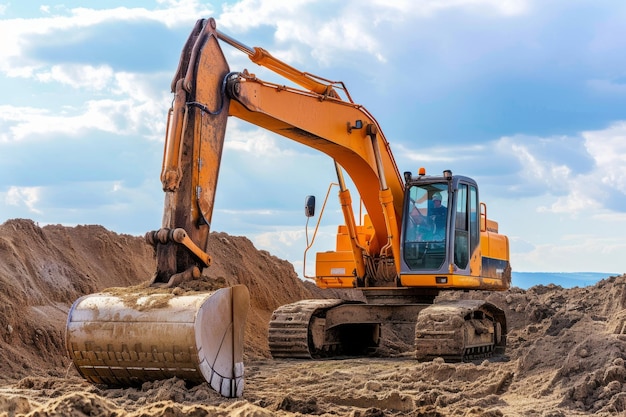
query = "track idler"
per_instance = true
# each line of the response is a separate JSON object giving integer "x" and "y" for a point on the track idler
{"x": 126, "y": 338}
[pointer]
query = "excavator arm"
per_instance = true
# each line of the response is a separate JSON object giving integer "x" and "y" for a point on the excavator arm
{"x": 191, "y": 158}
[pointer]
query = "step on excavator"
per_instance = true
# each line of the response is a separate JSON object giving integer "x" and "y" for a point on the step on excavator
{"x": 418, "y": 235}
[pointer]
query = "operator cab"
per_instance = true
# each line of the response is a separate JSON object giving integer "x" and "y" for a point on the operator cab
{"x": 441, "y": 224}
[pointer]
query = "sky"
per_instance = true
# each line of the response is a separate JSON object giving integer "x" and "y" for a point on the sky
{"x": 528, "y": 97}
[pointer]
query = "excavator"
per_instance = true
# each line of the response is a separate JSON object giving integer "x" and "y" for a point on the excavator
{"x": 418, "y": 235}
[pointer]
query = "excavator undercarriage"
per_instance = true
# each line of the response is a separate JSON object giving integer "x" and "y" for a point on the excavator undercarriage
{"x": 459, "y": 330}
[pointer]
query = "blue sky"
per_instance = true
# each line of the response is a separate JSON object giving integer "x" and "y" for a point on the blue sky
{"x": 526, "y": 96}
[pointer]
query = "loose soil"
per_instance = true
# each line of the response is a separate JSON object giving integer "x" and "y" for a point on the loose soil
{"x": 565, "y": 355}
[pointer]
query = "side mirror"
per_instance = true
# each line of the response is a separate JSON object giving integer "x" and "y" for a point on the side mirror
{"x": 309, "y": 206}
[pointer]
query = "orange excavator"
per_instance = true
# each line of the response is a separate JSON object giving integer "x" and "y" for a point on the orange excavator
{"x": 420, "y": 235}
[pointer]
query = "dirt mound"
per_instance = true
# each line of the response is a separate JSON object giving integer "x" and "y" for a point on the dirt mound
{"x": 571, "y": 342}
{"x": 565, "y": 355}
{"x": 42, "y": 271}
{"x": 45, "y": 269}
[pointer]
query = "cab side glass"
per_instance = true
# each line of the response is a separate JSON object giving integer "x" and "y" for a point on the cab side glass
{"x": 309, "y": 206}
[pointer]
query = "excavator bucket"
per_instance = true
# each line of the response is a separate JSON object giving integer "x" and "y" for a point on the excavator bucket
{"x": 129, "y": 337}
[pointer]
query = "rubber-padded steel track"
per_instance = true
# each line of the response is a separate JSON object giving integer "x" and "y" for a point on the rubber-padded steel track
{"x": 460, "y": 330}
{"x": 290, "y": 333}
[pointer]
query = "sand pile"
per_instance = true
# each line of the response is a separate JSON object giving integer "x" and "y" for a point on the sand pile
{"x": 42, "y": 271}
{"x": 565, "y": 356}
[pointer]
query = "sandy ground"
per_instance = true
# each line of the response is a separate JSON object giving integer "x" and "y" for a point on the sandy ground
{"x": 565, "y": 356}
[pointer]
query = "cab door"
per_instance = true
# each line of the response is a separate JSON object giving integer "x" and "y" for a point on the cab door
{"x": 466, "y": 232}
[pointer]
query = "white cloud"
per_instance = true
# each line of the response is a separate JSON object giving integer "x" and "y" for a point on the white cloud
{"x": 23, "y": 196}
{"x": 428, "y": 8}
{"x": 346, "y": 29}
{"x": 102, "y": 115}
{"x": 547, "y": 177}
{"x": 258, "y": 142}
{"x": 351, "y": 26}
{"x": 148, "y": 111}
{"x": 285, "y": 244}
{"x": 571, "y": 254}
{"x": 117, "y": 186}
{"x": 99, "y": 115}
{"x": 175, "y": 13}
{"x": 247, "y": 14}
{"x": 280, "y": 239}
{"x": 249, "y": 213}
{"x": 552, "y": 175}
{"x": 608, "y": 148}
{"x": 290, "y": 243}
{"x": 538, "y": 167}
{"x": 78, "y": 76}
{"x": 15, "y": 121}
{"x": 139, "y": 110}
{"x": 577, "y": 201}
{"x": 441, "y": 154}
{"x": 14, "y": 32}
{"x": 551, "y": 169}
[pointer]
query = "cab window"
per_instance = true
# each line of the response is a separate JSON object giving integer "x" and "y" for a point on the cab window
{"x": 425, "y": 226}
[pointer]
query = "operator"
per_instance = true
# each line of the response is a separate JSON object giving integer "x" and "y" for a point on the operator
{"x": 438, "y": 214}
